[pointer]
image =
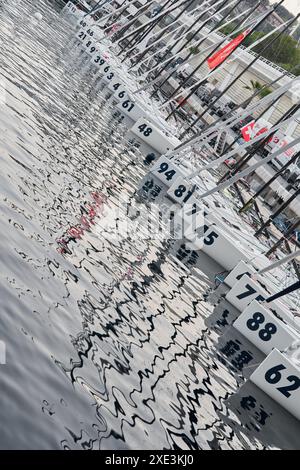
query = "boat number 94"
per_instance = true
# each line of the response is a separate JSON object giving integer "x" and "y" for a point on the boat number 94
{"x": 164, "y": 168}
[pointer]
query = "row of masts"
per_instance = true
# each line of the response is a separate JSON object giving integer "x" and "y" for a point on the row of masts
{"x": 155, "y": 51}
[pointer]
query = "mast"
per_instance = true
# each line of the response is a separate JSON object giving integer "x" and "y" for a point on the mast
{"x": 249, "y": 203}
{"x": 166, "y": 32}
{"x": 175, "y": 66}
{"x": 258, "y": 56}
{"x": 213, "y": 129}
{"x": 284, "y": 237}
{"x": 286, "y": 291}
{"x": 162, "y": 32}
{"x": 144, "y": 26}
{"x": 216, "y": 27}
{"x": 118, "y": 34}
{"x": 139, "y": 37}
{"x": 290, "y": 257}
{"x": 202, "y": 25}
{"x": 249, "y": 154}
{"x": 277, "y": 212}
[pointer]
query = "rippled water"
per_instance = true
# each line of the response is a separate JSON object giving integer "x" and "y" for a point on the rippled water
{"x": 110, "y": 344}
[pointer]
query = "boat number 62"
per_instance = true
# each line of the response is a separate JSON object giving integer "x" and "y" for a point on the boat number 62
{"x": 273, "y": 376}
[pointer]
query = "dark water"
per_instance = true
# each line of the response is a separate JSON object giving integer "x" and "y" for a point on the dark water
{"x": 111, "y": 344}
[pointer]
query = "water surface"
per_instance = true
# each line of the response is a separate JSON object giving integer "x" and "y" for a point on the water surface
{"x": 111, "y": 344}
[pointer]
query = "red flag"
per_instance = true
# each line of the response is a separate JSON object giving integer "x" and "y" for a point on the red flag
{"x": 254, "y": 129}
{"x": 223, "y": 53}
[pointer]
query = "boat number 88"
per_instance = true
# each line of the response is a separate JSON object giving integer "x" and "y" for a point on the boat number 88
{"x": 273, "y": 376}
{"x": 256, "y": 321}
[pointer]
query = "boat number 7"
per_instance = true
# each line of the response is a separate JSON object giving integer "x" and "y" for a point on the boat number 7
{"x": 250, "y": 291}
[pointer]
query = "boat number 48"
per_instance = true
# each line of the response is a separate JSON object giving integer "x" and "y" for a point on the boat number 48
{"x": 144, "y": 129}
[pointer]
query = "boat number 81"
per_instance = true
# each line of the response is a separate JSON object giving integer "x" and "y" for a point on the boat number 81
{"x": 181, "y": 190}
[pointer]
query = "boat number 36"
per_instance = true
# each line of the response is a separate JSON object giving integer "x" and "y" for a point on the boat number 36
{"x": 273, "y": 377}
